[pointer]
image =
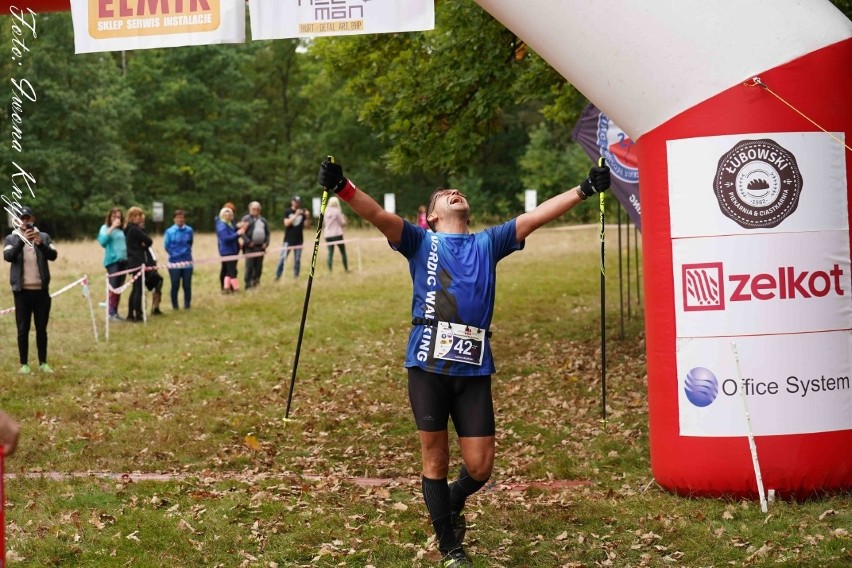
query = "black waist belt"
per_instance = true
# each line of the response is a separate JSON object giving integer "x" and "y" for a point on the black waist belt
{"x": 434, "y": 323}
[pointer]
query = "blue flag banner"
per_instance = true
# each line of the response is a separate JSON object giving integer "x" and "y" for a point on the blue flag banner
{"x": 600, "y": 136}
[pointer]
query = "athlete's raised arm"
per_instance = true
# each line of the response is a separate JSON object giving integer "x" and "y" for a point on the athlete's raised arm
{"x": 549, "y": 210}
{"x": 331, "y": 177}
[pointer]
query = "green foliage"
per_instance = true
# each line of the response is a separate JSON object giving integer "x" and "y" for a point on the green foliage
{"x": 73, "y": 142}
{"x": 194, "y": 127}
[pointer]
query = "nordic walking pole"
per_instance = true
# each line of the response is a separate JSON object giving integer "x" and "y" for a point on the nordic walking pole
{"x": 602, "y": 163}
{"x": 307, "y": 298}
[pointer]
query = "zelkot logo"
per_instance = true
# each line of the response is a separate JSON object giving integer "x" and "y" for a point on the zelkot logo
{"x": 757, "y": 184}
{"x": 705, "y": 285}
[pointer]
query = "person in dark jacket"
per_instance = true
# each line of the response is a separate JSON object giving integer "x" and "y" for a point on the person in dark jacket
{"x": 30, "y": 279}
{"x": 138, "y": 254}
{"x": 255, "y": 242}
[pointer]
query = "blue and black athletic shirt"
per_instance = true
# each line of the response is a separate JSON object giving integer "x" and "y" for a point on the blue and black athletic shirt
{"x": 454, "y": 279}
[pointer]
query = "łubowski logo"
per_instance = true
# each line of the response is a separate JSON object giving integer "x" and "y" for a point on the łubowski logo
{"x": 758, "y": 184}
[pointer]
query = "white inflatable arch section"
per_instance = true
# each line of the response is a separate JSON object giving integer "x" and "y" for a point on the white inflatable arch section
{"x": 745, "y": 189}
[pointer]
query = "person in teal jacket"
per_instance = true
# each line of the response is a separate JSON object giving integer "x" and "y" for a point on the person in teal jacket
{"x": 111, "y": 237}
{"x": 178, "y": 245}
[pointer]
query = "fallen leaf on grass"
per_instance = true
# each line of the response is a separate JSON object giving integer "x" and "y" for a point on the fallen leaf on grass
{"x": 252, "y": 443}
{"x": 828, "y": 513}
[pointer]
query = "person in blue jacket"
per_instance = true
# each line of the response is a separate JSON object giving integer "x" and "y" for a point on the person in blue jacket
{"x": 449, "y": 363}
{"x": 229, "y": 236}
{"x": 178, "y": 244}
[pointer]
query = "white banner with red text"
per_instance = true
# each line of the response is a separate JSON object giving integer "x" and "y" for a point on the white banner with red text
{"x": 761, "y": 259}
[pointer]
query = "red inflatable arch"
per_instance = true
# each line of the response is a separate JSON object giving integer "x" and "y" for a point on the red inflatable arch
{"x": 746, "y": 233}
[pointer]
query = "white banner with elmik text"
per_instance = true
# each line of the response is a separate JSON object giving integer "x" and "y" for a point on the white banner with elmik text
{"x": 116, "y": 25}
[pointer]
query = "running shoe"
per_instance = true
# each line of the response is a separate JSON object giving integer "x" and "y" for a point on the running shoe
{"x": 456, "y": 559}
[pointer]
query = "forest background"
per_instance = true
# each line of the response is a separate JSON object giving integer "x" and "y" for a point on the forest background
{"x": 466, "y": 105}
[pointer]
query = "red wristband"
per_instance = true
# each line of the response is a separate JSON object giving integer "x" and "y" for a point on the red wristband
{"x": 348, "y": 191}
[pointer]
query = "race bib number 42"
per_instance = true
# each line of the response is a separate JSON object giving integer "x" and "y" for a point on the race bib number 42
{"x": 459, "y": 342}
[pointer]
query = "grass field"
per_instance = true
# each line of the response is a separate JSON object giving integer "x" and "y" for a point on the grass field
{"x": 198, "y": 397}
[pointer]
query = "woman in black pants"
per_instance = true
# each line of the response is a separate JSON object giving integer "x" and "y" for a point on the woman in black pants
{"x": 138, "y": 244}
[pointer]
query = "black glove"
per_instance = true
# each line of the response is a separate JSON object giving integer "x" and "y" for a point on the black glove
{"x": 331, "y": 176}
{"x": 597, "y": 182}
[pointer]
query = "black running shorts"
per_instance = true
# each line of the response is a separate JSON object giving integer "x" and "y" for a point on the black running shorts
{"x": 435, "y": 398}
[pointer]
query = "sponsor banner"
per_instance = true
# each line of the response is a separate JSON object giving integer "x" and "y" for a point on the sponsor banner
{"x": 275, "y": 19}
{"x": 793, "y": 384}
{"x": 115, "y": 25}
{"x": 762, "y": 284}
{"x": 600, "y": 136}
{"x": 758, "y": 182}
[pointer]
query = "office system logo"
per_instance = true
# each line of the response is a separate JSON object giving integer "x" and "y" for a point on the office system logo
{"x": 701, "y": 386}
{"x": 757, "y": 184}
{"x": 703, "y": 287}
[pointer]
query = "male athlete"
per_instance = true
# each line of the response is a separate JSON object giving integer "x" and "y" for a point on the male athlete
{"x": 449, "y": 356}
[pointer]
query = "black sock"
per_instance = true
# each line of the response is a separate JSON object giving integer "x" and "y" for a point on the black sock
{"x": 436, "y": 493}
{"x": 462, "y": 488}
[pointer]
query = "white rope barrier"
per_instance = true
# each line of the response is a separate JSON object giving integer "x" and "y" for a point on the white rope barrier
{"x": 138, "y": 271}
{"x": 84, "y": 283}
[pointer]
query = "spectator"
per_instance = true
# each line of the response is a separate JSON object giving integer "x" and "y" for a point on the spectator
{"x": 30, "y": 278}
{"x": 139, "y": 254}
{"x": 334, "y": 222}
{"x": 229, "y": 246}
{"x": 296, "y": 218}
{"x": 9, "y": 432}
{"x": 178, "y": 244}
{"x": 256, "y": 241}
{"x": 111, "y": 237}
{"x": 421, "y": 217}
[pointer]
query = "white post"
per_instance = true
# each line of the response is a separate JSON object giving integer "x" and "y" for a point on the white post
{"x": 106, "y": 311}
{"x": 86, "y": 293}
{"x": 752, "y": 446}
{"x": 144, "y": 296}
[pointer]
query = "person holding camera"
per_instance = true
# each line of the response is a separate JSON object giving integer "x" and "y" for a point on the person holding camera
{"x": 111, "y": 237}
{"x": 29, "y": 250}
{"x": 296, "y": 218}
{"x": 448, "y": 359}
